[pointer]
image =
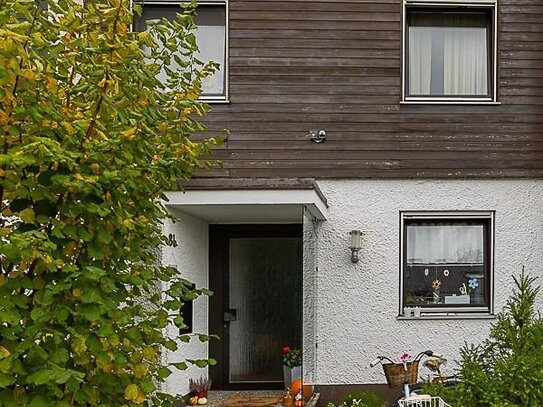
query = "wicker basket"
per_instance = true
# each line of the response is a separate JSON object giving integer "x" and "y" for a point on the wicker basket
{"x": 395, "y": 373}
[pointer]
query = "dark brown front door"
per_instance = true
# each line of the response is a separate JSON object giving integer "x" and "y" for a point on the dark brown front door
{"x": 256, "y": 274}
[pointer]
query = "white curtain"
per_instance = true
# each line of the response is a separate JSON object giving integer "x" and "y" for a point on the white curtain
{"x": 211, "y": 45}
{"x": 430, "y": 244}
{"x": 465, "y": 61}
{"x": 420, "y": 60}
{"x": 447, "y": 56}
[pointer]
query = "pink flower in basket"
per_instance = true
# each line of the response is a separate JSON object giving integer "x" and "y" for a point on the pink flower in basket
{"x": 405, "y": 357}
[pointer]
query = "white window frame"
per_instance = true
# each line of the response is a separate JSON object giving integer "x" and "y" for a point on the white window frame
{"x": 492, "y": 6}
{"x": 205, "y": 98}
{"x": 460, "y": 311}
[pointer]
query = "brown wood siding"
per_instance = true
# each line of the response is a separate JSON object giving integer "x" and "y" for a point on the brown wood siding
{"x": 303, "y": 65}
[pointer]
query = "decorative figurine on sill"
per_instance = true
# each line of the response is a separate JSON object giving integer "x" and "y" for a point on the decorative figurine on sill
{"x": 473, "y": 283}
{"x": 436, "y": 285}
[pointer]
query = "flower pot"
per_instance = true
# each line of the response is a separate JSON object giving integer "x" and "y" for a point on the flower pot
{"x": 291, "y": 373}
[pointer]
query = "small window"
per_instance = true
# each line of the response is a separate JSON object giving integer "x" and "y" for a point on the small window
{"x": 447, "y": 262}
{"x": 211, "y": 38}
{"x": 449, "y": 53}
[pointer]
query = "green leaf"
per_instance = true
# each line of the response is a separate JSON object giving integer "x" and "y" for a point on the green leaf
{"x": 170, "y": 345}
{"x": 92, "y": 295}
{"x": 4, "y": 353}
{"x": 7, "y": 379}
{"x": 94, "y": 344}
{"x": 178, "y": 322}
{"x": 84, "y": 234}
{"x": 180, "y": 365}
{"x": 38, "y": 314}
{"x": 39, "y": 401}
{"x": 199, "y": 362}
{"x": 104, "y": 236}
{"x": 96, "y": 251}
{"x": 90, "y": 312}
{"x": 73, "y": 384}
{"x": 94, "y": 273}
{"x": 163, "y": 373}
{"x": 42, "y": 376}
{"x": 61, "y": 356}
{"x": 106, "y": 330}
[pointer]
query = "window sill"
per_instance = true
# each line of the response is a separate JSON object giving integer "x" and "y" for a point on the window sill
{"x": 214, "y": 101}
{"x": 448, "y": 315}
{"x": 450, "y": 102}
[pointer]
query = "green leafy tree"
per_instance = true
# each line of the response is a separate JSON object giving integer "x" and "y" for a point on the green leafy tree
{"x": 90, "y": 140}
{"x": 505, "y": 370}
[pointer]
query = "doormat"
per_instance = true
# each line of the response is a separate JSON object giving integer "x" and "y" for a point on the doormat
{"x": 251, "y": 401}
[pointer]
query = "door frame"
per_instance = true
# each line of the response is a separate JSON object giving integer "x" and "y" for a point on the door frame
{"x": 219, "y": 236}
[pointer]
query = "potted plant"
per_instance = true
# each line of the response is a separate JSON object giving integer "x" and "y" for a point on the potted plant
{"x": 198, "y": 390}
{"x": 292, "y": 364}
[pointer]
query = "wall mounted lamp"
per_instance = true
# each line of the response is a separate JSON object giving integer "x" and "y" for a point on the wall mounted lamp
{"x": 356, "y": 244}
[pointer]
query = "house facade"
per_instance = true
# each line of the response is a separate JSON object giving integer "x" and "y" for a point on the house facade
{"x": 418, "y": 123}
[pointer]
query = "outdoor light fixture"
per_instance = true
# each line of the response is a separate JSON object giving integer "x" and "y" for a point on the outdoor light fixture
{"x": 317, "y": 136}
{"x": 356, "y": 244}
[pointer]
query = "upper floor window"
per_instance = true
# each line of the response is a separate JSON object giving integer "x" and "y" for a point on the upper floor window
{"x": 449, "y": 51}
{"x": 211, "y": 37}
{"x": 447, "y": 261}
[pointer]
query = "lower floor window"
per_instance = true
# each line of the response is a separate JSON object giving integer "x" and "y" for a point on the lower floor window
{"x": 447, "y": 261}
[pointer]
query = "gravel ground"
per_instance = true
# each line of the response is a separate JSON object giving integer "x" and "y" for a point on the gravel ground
{"x": 216, "y": 397}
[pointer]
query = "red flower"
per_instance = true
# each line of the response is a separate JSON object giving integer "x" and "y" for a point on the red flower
{"x": 286, "y": 350}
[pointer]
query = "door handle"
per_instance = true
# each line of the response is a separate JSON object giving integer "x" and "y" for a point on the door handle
{"x": 230, "y": 315}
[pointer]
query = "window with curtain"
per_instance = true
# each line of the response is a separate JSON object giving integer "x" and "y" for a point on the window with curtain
{"x": 448, "y": 53}
{"x": 210, "y": 38}
{"x": 446, "y": 261}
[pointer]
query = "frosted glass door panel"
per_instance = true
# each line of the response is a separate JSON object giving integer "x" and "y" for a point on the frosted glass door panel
{"x": 265, "y": 296}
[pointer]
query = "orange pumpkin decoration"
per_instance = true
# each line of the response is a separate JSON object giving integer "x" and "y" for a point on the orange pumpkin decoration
{"x": 295, "y": 386}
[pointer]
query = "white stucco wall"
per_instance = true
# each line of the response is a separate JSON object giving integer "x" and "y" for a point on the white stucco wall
{"x": 358, "y": 303}
{"x": 191, "y": 258}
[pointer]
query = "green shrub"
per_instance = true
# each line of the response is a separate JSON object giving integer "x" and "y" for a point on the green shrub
{"x": 361, "y": 399}
{"x": 505, "y": 370}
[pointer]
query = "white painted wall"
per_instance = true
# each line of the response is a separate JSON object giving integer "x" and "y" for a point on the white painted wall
{"x": 358, "y": 303}
{"x": 191, "y": 258}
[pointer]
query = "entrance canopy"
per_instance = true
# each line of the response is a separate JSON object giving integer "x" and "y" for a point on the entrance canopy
{"x": 219, "y": 200}
{"x": 241, "y": 213}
